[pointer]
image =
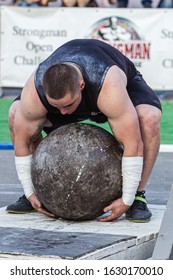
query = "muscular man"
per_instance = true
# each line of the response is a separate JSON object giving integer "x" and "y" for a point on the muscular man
{"x": 87, "y": 78}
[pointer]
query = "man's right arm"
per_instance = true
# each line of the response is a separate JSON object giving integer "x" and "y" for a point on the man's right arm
{"x": 26, "y": 141}
{"x": 28, "y": 124}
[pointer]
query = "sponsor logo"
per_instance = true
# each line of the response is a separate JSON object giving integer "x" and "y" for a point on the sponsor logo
{"x": 124, "y": 35}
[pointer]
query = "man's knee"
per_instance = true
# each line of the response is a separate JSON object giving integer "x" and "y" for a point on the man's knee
{"x": 11, "y": 114}
{"x": 149, "y": 116}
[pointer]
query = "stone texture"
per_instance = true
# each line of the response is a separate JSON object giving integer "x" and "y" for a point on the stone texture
{"x": 76, "y": 171}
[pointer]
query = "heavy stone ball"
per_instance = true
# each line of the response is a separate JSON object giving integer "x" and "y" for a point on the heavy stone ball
{"x": 76, "y": 171}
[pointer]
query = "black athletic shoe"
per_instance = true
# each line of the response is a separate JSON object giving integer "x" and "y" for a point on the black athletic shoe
{"x": 22, "y": 206}
{"x": 139, "y": 212}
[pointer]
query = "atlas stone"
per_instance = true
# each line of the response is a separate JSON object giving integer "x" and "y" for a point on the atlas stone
{"x": 76, "y": 171}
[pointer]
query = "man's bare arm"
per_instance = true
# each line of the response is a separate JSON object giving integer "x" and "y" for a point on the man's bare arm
{"x": 114, "y": 102}
{"x": 28, "y": 124}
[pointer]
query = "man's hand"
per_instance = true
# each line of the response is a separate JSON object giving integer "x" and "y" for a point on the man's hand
{"x": 117, "y": 207}
{"x": 36, "y": 204}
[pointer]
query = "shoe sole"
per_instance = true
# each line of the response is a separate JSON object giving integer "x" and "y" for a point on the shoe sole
{"x": 138, "y": 221}
{"x": 15, "y": 212}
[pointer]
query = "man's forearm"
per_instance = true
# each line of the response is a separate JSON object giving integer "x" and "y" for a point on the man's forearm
{"x": 23, "y": 168}
{"x": 131, "y": 173}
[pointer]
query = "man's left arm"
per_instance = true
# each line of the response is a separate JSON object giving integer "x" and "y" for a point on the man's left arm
{"x": 115, "y": 103}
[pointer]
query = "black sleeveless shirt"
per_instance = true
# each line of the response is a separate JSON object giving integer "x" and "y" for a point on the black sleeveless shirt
{"x": 93, "y": 58}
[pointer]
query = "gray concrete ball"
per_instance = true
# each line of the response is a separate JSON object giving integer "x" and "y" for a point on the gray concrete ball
{"x": 76, "y": 171}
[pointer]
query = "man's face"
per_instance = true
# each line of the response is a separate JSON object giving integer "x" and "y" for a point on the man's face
{"x": 68, "y": 104}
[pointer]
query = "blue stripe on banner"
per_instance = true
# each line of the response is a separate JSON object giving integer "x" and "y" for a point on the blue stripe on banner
{"x": 6, "y": 146}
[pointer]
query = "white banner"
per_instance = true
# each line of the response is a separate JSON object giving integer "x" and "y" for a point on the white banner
{"x": 28, "y": 36}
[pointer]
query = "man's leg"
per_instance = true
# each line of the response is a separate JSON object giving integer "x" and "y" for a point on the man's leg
{"x": 11, "y": 117}
{"x": 149, "y": 119}
{"x": 122, "y": 3}
{"x": 22, "y": 205}
{"x": 147, "y": 3}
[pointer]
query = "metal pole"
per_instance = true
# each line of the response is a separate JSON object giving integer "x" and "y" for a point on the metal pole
{"x": 163, "y": 249}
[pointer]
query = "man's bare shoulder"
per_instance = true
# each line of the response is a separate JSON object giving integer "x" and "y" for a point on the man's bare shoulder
{"x": 113, "y": 95}
{"x": 115, "y": 76}
{"x": 31, "y": 104}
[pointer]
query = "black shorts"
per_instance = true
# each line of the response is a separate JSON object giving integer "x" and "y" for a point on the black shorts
{"x": 140, "y": 93}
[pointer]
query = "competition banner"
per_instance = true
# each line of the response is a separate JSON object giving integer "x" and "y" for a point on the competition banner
{"x": 28, "y": 36}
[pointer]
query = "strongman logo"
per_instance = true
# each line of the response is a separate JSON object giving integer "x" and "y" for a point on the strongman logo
{"x": 122, "y": 34}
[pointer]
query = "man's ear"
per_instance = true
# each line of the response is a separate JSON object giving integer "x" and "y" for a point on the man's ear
{"x": 82, "y": 84}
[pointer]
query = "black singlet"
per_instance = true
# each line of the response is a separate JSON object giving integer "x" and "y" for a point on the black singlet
{"x": 94, "y": 58}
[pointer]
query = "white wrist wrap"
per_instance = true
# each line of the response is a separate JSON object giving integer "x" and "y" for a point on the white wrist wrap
{"x": 23, "y": 168}
{"x": 131, "y": 175}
